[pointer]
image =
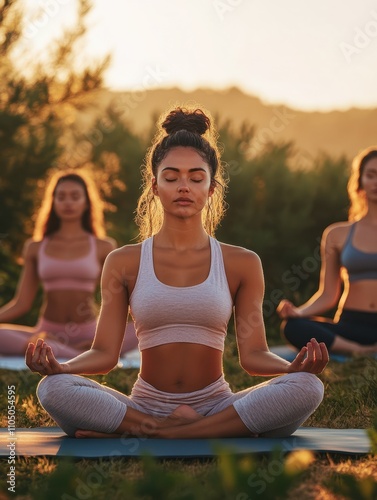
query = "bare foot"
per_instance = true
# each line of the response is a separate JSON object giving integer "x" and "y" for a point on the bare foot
{"x": 371, "y": 349}
{"x": 367, "y": 349}
{"x": 183, "y": 414}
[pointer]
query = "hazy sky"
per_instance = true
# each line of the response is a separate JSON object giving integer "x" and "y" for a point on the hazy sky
{"x": 311, "y": 55}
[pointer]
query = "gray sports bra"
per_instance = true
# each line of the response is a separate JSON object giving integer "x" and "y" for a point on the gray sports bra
{"x": 360, "y": 265}
{"x": 197, "y": 314}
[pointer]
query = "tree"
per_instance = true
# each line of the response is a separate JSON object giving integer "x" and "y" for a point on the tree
{"x": 32, "y": 112}
{"x": 130, "y": 150}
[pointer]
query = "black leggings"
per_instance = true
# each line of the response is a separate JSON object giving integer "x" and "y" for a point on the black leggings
{"x": 358, "y": 326}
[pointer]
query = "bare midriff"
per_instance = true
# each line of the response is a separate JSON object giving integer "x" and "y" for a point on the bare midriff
{"x": 181, "y": 367}
{"x": 62, "y": 306}
{"x": 362, "y": 296}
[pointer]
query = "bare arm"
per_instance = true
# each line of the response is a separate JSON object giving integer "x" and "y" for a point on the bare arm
{"x": 255, "y": 357}
{"x": 328, "y": 293}
{"x": 27, "y": 286}
{"x": 104, "y": 353}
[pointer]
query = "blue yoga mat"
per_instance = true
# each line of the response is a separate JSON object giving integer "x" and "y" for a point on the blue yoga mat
{"x": 52, "y": 441}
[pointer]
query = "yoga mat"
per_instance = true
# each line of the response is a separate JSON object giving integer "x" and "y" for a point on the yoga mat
{"x": 52, "y": 441}
{"x": 130, "y": 360}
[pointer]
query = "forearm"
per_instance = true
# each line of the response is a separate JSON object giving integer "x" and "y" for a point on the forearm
{"x": 318, "y": 304}
{"x": 264, "y": 363}
{"x": 11, "y": 311}
{"x": 90, "y": 362}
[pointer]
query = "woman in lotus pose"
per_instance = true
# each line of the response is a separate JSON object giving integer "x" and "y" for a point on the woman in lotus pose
{"x": 181, "y": 286}
{"x": 65, "y": 255}
{"x": 349, "y": 258}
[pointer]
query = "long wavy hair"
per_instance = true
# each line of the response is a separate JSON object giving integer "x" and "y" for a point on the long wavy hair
{"x": 46, "y": 219}
{"x": 359, "y": 203}
{"x": 187, "y": 127}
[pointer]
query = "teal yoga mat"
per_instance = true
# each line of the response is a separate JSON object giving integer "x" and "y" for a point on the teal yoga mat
{"x": 52, "y": 441}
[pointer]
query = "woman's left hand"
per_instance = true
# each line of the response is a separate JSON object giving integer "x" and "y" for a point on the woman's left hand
{"x": 312, "y": 358}
{"x": 40, "y": 359}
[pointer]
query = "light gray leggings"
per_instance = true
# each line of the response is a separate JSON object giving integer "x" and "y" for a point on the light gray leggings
{"x": 275, "y": 408}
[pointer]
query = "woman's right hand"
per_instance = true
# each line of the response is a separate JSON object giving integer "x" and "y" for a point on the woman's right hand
{"x": 40, "y": 359}
{"x": 286, "y": 309}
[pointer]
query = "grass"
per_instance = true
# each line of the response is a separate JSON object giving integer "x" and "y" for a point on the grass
{"x": 350, "y": 402}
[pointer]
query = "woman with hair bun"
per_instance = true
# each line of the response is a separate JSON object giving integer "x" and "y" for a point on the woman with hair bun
{"x": 348, "y": 276}
{"x": 182, "y": 286}
{"x": 65, "y": 255}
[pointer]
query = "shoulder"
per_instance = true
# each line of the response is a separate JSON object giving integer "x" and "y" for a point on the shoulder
{"x": 105, "y": 244}
{"x": 125, "y": 258}
{"x": 243, "y": 270}
{"x": 31, "y": 249}
{"x": 234, "y": 253}
{"x": 122, "y": 265}
{"x": 338, "y": 227}
{"x": 336, "y": 233}
{"x": 240, "y": 261}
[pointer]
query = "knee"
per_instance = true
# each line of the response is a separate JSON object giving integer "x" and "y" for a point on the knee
{"x": 312, "y": 387}
{"x": 51, "y": 388}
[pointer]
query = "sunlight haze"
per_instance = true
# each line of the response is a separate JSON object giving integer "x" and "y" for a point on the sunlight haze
{"x": 306, "y": 55}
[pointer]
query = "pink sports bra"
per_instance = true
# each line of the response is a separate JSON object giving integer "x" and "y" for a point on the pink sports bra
{"x": 69, "y": 274}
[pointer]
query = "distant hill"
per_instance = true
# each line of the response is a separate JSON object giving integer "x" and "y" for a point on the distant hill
{"x": 336, "y": 132}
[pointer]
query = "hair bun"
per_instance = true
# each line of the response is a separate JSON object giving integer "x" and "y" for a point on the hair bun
{"x": 183, "y": 119}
